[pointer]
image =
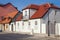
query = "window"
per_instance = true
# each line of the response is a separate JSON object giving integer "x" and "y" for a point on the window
{"x": 18, "y": 24}
{"x": 55, "y": 12}
{"x": 23, "y": 23}
{"x": 6, "y": 26}
{"x": 25, "y": 13}
{"x": 3, "y": 24}
{"x": 35, "y": 22}
{"x": 2, "y": 17}
{"x": 29, "y": 23}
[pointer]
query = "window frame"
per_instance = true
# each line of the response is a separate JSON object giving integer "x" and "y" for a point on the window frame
{"x": 25, "y": 13}
{"x": 35, "y": 22}
{"x": 29, "y": 23}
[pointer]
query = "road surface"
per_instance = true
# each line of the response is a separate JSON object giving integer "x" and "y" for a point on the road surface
{"x": 16, "y": 36}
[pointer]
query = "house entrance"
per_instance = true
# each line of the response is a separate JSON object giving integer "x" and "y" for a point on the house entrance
{"x": 12, "y": 27}
{"x": 51, "y": 29}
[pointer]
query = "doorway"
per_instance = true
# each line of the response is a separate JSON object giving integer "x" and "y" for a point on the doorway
{"x": 51, "y": 28}
{"x": 12, "y": 27}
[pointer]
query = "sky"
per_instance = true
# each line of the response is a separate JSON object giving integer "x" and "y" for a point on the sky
{"x": 20, "y": 4}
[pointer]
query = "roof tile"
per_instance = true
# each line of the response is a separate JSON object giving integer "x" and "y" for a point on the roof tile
{"x": 7, "y": 11}
{"x": 32, "y": 6}
{"x": 19, "y": 17}
{"x": 42, "y": 10}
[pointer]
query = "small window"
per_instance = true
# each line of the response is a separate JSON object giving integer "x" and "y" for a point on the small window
{"x": 23, "y": 23}
{"x": 2, "y": 17}
{"x": 6, "y": 26}
{"x": 25, "y": 13}
{"x": 3, "y": 24}
{"x": 18, "y": 24}
{"x": 55, "y": 12}
{"x": 29, "y": 23}
{"x": 35, "y": 22}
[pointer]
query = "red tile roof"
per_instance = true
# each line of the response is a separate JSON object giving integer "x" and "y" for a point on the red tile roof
{"x": 42, "y": 10}
{"x": 7, "y": 11}
{"x": 32, "y": 6}
{"x": 19, "y": 17}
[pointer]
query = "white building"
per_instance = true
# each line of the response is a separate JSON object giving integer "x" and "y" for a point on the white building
{"x": 38, "y": 19}
{"x": 43, "y": 19}
{"x": 7, "y": 14}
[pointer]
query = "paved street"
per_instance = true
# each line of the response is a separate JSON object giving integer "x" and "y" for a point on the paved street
{"x": 16, "y": 36}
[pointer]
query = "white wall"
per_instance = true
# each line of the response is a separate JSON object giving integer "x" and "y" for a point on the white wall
{"x": 57, "y": 19}
{"x": 57, "y": 29}
{"x": 50, "y": 15}
{"x": 19, "y": 26}
{"x": 26, "y": 17}
{"x": 7, "y": 27}
{"x": 43, "y": 28}
{"x": 14, "y": 27}
{"x": 30, "y": 12}
{"x": 57, "y": 16}
{"x": 54, "y": 18}
{"x": 35, "y": 28}
{"x": 54, "y": 21}
{"x": 42, "y": 23}
{"x": 26, "y": 27}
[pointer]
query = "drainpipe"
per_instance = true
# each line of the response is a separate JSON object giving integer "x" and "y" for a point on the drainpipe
{"x": 48, "y": 29}
{"x": 48, "y": 25}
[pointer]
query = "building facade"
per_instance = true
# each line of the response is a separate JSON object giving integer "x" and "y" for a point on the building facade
{"x": 34, "y": 19}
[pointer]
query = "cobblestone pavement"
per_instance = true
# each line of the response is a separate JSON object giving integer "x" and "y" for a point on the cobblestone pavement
{"x": 16, "y": 36}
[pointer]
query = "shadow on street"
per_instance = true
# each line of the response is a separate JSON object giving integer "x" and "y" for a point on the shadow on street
{"x": 13, "y": 36}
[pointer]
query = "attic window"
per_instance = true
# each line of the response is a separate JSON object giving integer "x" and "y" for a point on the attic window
{"x": 2, "y": 17}
{"x": 9, "y": 18}
{"x": 25, "y": 13}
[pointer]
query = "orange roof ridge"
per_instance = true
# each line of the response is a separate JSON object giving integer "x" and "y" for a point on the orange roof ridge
{"x": 42, "y": 10}
{"x": 31, "y": 6}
